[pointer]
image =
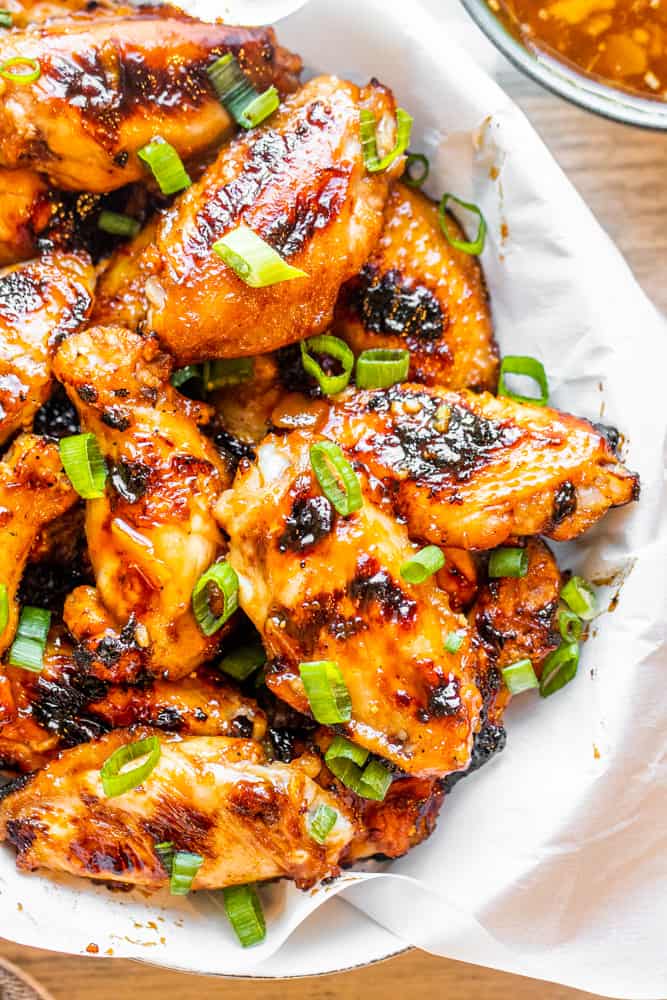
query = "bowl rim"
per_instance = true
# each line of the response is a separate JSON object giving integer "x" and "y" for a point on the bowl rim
{"x": 588, "y": 94}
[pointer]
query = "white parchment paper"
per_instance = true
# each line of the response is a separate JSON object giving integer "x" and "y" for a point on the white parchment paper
{"x": 552, "y": 860}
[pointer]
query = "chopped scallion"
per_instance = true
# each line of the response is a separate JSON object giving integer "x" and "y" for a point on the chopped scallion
{"x": 184, "y": 868}
{"x": 6, "y": 19}
{"x": 508, "y": 562}
{"x": 570, "y": 626}
{"x": 453, "y": 642}
{"x": 335, "y": 348}
{"x": 425, "y": 563}
{"x": 243, "y": 662}
{"x": 219, "y": 581}
{"x": 517, "y": 364}
{"x": 475, "y": 247}
{"x": 338, "y": 480}
{"x": 378, "y": 368}
{"x": 415, "y": 178}
{"x": 559, "y": 668}
{"x": 372, "y": 161}
{"x": 580, "y": 597}
{"x": 4, "y": 607}
{"x": 345, "y": 760}
{"x": 84, "y": 465}
{"x": 27, "y": 650}
{"x": 520, "y": 676}
{"x": 117, "y": 224}
{"x": 116, "y": 780}
{"x": 253, "y": 260}
{"x": 165, "y": 165}
{"x": 322, "y": 822}
{"x": 327, "y": 692}
{"x": 237, "y": 94}
{"x": 245, "y": 914}
{"x": 18, "y": 69}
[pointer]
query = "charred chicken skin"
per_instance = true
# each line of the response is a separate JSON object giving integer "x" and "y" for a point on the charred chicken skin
{"x": 109, "y": 85}
{"x": 152, "y": 534}
{"x": 418, "y": 292}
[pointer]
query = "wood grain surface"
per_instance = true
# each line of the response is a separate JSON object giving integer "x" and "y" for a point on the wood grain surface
{"x": 621, "y": 173}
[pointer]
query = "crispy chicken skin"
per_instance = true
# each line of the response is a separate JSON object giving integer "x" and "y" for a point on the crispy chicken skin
{"x": 217, "y": 797}
{"x": 25, "y": 210}
{"x": 405, "y": 818}
{"x": 120, "y": 295}
{"x": 34, "y": 490}
{"x": 41, "y": 302}
{"x": 299, "y": 182}
{"x": 470, "y": 471}
{"x": 26, "y": 12}
{"x": 418, "y": 292}
{"x": 108, "y": 85}
{"x": 61, "y": 707}
{"x": 153, "y": 533}
{"x": 318, "y": 586}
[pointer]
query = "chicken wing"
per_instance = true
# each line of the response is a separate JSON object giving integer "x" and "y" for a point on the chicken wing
{"x": 300, "y": 183}
{"x": 470, "y": 471}
{"x": 108, "y": 85}
{"x": 153, "y": 533}
{"x": 216, "y": 797}
{"x": 418, "y": 292}
{"x": 34, "y": 490}
{"x": 322, "y": 587}
{"x": 27, "y": 12}
{"x": 41, "y": 302}
{"x": 25, "y": 210}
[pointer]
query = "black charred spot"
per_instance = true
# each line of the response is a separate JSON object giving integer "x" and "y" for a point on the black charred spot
{"x": 372, "y": 587}
{"x": 116, "y": 417}
{"x": 489, "y": 741}
{"x": 46, "y": 584}
{"x": 565, "y": 502}
{"x": 169, "y": 718}
{"x": 282, "y": 744}
{"x": 200, "y": 715}
{"x": 232, "y": 448}
{"x": 315, "y": 615}
{"x": 21, "y": 833}
{"x": 293, "y": 376}
{"x": 130, "y": 480}
{"x": 610, "y": 434}
{"x": 60, "y": 707}
{"x": 8, "y": 788}
{"x": 489, "y": 683}
{"x": 443, "y": 700}
{"x": 57, "y": 418}
{"x": 242, "y": 727}
{"x": 87, "y": 393}
{"x": 121, "y": 158}
{"x": 257, "y": 801}
{"x": 391, "y": 304}
{"x": 311, "y": 519}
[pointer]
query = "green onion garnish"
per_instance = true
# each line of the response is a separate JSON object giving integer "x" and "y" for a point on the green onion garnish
{"x": 184, "y": 868}
{"x": 416, "y": 178}
{"x": 34, "y": 70}
{"x": 346, "y": 760}
{"x": 84, "y": 465}
{"x": 244, "y": 911}
{"x": 453, "y": 642}
{"x": 559, "y": 668}
{"x": 183, "y": 375}
{"x": 335, "y": 348}
{"x": 253, "y": 260}
{"x": 4, "y": 607}
{"x": 118, "y": 224}
{"x": 322, "y": 822}
{"x": 27, "y": 650}
{"x": 116, "y": 780}
{"x": 332, "y": 469}
{"x": 220, "y": 580}
{"x": 508, "y": 562}
{"x": 367, "y": 127}
{"x": 476, "y": 247}
{"x": 517, "y": 364}
{"x": 166, "y": 166}
{"x": 570, "y": 626}
{"x": 422, "y": 565}
{"x": 241, "y": 663}
{"x": 165, "y": 852}
{"x": 378, "y": 368}
{"x": 580, "y": 598}
{"x": 6, "y": 19}
{"x": 226, "y": 371}
{"x": 327, "y": 692}
{"x": 235, "y": 91}
{"x": 520, "y": 676}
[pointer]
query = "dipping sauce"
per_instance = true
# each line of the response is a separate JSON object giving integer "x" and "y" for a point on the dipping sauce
{"x": 622, "y": 43}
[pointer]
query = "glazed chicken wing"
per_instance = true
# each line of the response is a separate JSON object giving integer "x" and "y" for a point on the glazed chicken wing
{"x": 108, "y": 86}
{"x": 299, "y": 182}
{"x": 318, "y": 586}
{"x": 418, "y": 292}
{"x": 470, "y": 471}
{"x": 152, "y": 534}
{"x": 41, "y": 302}
{"x": 34, "y": 490}
{"x": 26, "y": 12}
{"x": 216, "y": 797}
{"x": 25, "y": 210}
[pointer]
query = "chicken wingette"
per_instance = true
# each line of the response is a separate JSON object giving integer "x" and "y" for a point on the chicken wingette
{"x": 107, "y": 86}
{"x": 417, "y": 292}
{"x": 219, "y": 798}
{"x": 153, "y": 533}
{"x": 25, "y": 210}
{"x": 299, "y": 182}
{"x": 41, "y": 302}
{"x": 318, "y": 586}
{"x": 34, "y": 490}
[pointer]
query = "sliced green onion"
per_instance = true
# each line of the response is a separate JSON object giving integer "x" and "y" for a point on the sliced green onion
{"x": 422, "y": 565}
{"x": 184, "y": 868}
{"x": 508, "y": 562}
{"x": 367, "y": 126}
{"x": 84, "y": 465}
{"x": 345, "y": 760}
{"x": 253, "y": 260}
{"x": 118, "y": 224}
{"x": 378, "y": 368}
{"x": 453, "y": 642}
{"x": 331, "y": 468}
{"x": 226, "y": 371}
{"x": 518, "y": 364}
{"x": 4, "y": 607}
{"x": 115, "y": 780}
{"x": 165, "y": 852}
{"x": 344, "y": 750}
{"x": 520, "y": 676}
{"x": 34, "y": 70}
{"x": 34, "y": 623}
{"x": 244, "y": 911}
{"x": 375, "y": 781}
{"x": 235, "y": 91}
{"x": 243, "y": 662}
{"x": 322, "y": 822}
{"x": 6, "y": 19}
{"x": 570, "y": 626}
{"x": 27, "y": 650}
{"x": 580, "y": 598}
{"x": 327, "y": 692}
{"x": 477, "y": 246}
{"x": 416, "y": 178}
{"x": 219, "y": 580}
{"x": 559, "y": 668}
{"x": 183, "y": 375}
{"x": 26, "y": 653}
{"x": 336, "y": 348}
{"x": 166, "y": 166}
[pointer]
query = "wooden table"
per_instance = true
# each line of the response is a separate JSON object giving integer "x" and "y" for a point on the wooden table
{"x": 622, "y": 174}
